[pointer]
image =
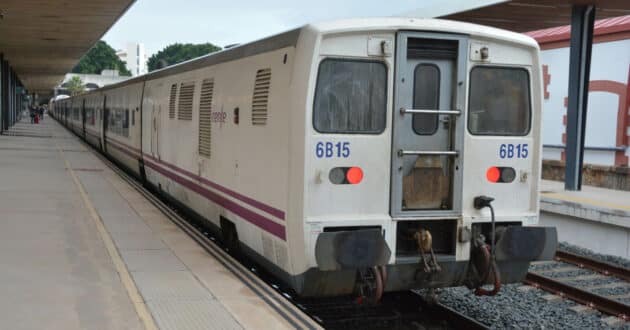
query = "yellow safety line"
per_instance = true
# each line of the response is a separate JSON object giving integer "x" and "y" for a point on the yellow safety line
{"x": 586, "y": 201}
{"x": 130, "y": 286}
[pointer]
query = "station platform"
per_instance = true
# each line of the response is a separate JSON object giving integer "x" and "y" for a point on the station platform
{"x": 594, "y": 218}
{"x": 82, "y": 249}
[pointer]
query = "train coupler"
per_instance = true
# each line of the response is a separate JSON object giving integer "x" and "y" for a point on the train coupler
{"x": 428, "y": 261}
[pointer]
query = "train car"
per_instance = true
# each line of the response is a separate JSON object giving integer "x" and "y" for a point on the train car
{"x": 354, "y": 156}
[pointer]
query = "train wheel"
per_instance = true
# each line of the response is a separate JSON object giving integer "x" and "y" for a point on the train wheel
{"x": 370, "y": 284}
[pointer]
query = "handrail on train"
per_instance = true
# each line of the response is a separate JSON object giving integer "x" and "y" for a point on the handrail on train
{"x": 430, "y": 111}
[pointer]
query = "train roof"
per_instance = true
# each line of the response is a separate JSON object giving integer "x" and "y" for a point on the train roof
{"x": 424, "y": 24}
{"x": 290, "y": 38}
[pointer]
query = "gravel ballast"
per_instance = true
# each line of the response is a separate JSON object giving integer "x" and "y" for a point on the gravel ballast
{"x": 513, "y": 308}
{"x": 527, "y": 309}
{"x": 564, "y": 246}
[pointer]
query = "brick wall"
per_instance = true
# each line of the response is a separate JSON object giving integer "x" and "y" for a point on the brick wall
{"x": 611, "y": 177}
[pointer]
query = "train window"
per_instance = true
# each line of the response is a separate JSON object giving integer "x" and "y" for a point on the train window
{"x": 125, "y": 124}
{"x": 426, "y": 95}
{"x": 350, "y": 97}
{"x": 499, "y": 101}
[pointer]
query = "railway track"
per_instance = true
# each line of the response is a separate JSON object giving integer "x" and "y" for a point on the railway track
{"x": 587, "y": 281}
{"x": 401, "y": 310}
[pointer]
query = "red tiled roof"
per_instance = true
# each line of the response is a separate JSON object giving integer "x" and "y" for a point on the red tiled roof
{"x": 562, "y": 33}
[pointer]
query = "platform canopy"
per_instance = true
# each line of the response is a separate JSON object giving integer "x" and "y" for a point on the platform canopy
{"x": 518, "y": 15}
{"x": 43, "y": 39}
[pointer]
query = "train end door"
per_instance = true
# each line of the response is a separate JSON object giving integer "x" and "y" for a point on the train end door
{"x": 428, "y": 139}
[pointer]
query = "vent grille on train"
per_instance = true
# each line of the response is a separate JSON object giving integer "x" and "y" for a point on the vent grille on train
{"x": 205, "y": 113}
{"x": 171, "y": 101}
{"x": 432, "y": 48}
{"x": 260, "y": 100}
{"x": 185, "y": 105}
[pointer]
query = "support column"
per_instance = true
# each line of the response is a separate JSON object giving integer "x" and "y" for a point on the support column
{"x": 4, "y": 95}
{"x": 582, "y": 22}
{"x": 12, "y": 98}
{"x": 1, "y": 93}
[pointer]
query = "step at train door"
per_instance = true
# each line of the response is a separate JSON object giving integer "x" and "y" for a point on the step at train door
{"x": 428, "y": 134}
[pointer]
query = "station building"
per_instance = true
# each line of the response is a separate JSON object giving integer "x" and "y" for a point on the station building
{"x": 608, "y": 117}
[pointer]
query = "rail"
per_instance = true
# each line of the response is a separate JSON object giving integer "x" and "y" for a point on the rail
{"x": 590, "y": 299}
{"x": 595, "y": 265}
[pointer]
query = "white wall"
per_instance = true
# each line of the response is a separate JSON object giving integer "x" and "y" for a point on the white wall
{"x": 610, "y": 61}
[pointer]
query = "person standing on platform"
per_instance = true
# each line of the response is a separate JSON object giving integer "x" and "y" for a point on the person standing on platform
{"x": 32, "y": 114}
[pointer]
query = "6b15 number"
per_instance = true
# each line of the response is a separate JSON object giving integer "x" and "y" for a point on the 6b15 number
{"x": 508, "y": 150}
{"x": 330, "y": 149}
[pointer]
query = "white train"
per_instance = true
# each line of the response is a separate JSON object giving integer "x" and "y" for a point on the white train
{"x": 347, "y": 155}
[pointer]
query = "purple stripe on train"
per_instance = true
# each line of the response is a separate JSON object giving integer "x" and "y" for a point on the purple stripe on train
{"x": 260, "y": 221}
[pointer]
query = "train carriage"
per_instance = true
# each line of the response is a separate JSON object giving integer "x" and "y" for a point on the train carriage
{"x": 365, "y": 154}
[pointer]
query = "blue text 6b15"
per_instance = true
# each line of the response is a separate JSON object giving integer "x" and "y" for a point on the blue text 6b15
{"x": 332, "y": 149}
{"x": 509, "y": 150}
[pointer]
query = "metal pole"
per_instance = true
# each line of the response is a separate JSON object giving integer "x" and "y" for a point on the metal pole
{"x": 1, "y": 93}
{"x": 4, "y": 97}
{"x": 12, "y": 98}
{"x": 582, "y": 21}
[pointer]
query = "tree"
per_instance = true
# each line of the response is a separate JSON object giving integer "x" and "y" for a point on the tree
{"x": 101, "y": 57}
{"x": 75, "y": 85}
{"x": 177, "y": 53}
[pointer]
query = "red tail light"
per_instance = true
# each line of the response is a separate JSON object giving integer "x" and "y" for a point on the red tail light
{"x": 500, "y": 174}
{"x": 493, "y": 174}
{"x": 354, "y": 175}
{"x": 345, "y": 175}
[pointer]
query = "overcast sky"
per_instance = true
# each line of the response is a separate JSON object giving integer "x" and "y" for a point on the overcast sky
{"x": 158, "y": 23}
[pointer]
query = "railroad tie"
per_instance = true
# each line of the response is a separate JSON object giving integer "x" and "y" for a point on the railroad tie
{"x": 609, "y": 285}
{"x": 558, "y": 270}
{"x": 588, "y": 277}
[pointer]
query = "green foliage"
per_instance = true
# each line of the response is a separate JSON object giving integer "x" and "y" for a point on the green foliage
{"x": 101, "y": 57}
{"x": 75, "y": 85}
{"x": 177, "y": 53}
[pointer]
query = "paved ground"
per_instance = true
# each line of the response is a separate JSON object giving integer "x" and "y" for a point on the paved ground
{"x": 81, "y": 249}
{"x": 595, "y": 196}
{"x": 55, "y": 272}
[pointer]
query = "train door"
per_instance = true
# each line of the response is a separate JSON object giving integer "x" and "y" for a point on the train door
{"x": 83, "y": 118}
{"x": 105, "y": 123}
{"x": 155, "y": 131}
{"x": 427, "y": 129}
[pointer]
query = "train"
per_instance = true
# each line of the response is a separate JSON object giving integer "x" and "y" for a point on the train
{"x": 356, "y": 156}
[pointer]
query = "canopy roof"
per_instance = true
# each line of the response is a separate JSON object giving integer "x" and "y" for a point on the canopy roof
{"x": 519, "y": 15}
{"x": 44, "y": 39}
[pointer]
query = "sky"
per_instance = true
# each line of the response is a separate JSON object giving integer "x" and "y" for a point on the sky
{"x": 159, "y": 23}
